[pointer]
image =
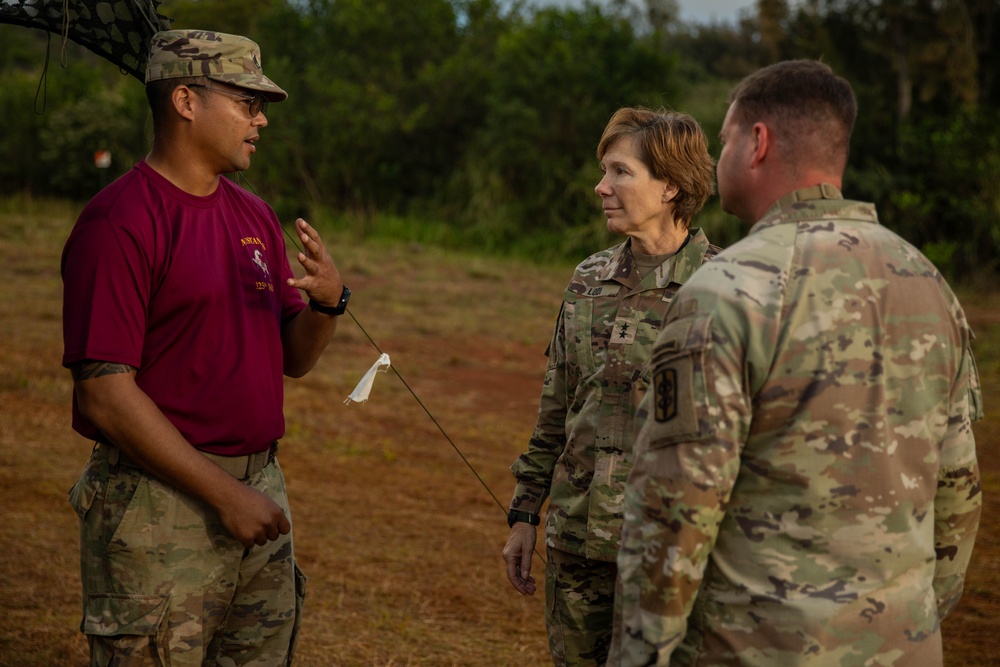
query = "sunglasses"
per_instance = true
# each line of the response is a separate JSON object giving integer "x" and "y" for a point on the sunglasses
{"x": 255, "y": 103}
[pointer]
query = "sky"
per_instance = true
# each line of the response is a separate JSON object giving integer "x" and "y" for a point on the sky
{"x": 703, "y": 11}
{"x": 696, "y": 11}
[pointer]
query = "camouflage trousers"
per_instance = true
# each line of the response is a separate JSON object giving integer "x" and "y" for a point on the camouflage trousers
{"x": 165, "y": 584}
{"x": 579, "y": 608}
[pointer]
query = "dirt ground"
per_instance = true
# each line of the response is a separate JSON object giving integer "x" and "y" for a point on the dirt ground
{"x": 400, "y": 540}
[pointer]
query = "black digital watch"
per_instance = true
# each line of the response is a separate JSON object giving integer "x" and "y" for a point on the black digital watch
{"x": 517, "y": 516}
{"x": 333, "y": 310}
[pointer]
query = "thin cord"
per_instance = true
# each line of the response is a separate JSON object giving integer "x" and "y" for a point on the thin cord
{"x": 65, "y": 34}
{"x": 421, "y": 404}
{"x": 413, "y": 393}
{"x": 447, "y": 437}
{"x": 43, "y": 80}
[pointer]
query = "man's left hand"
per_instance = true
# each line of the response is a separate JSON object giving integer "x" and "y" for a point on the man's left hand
{"x": 322, "y": 282}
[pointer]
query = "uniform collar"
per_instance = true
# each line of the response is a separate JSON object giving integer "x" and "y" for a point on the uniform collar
{"x": 821, "y": 191}
{"x": 822, "y": 201}
{"x": 621, "y": 267}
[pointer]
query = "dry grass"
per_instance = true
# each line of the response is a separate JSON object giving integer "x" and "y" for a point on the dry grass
{"x": 399, "y": 539}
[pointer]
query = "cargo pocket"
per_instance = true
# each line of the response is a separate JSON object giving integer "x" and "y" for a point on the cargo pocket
{"x": 124, "y": 627}
{"x": 554, "y": 622}
{"x": 607, "y": 497}
{"x": 300, "y": 599}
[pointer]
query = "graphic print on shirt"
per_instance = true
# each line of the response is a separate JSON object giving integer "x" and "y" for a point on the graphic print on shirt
{"x": 257, "y": 257}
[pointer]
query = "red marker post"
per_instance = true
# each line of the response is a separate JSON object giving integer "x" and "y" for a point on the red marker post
{"x": 102, "y": 160}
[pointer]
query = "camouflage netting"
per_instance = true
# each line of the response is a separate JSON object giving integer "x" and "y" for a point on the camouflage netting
{"x": 118, "y": 30}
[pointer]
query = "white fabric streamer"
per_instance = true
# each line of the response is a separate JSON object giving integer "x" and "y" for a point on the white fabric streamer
{"x": 360, "y": 393}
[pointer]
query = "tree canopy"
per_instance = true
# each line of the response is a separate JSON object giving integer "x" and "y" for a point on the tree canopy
{"x": 484, "y": 115}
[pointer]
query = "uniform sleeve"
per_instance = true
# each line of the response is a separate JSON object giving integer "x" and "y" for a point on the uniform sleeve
{"x": 106, "y": 289}
{"x": 958, "y": 502}
{"x": 533, "y": 469}
{"x": 694, "y": 423}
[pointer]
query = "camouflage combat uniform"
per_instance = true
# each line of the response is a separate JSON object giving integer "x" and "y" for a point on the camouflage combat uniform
{"x": 580, "y": 453}
{"x": 805, "y": 488}
{"x": 168, "y": 585}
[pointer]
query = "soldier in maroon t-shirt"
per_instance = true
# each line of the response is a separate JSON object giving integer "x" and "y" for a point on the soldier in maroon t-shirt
{"x": 181, "y": 315}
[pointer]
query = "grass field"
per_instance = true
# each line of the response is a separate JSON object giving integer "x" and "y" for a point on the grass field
{"x": 399, "y": 539}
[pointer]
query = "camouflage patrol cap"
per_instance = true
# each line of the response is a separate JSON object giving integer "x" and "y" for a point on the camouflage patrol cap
{"x": 230, "y": 59}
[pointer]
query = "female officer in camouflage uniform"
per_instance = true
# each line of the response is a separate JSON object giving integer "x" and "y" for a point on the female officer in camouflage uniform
{"x": 657, "y": 176}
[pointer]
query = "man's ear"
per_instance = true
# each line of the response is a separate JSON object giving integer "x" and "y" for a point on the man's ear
{"x": 183, "y": 100}
{"x": 761, "y": 142}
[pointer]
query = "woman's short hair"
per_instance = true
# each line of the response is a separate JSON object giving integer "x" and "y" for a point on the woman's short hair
{"x": 673, "y": 147}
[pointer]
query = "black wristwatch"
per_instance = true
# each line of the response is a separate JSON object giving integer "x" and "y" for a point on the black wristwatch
{"x": 517, "y": 516}
{"x": 333, "y": 310}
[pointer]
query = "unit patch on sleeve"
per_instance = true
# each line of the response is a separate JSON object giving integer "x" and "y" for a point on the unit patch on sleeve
{"x": 665, "y": 386}
{"x": 680, "y": 401}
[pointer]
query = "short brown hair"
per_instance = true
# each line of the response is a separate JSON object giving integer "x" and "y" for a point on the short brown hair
{"x": 673, "y": 147}
{"x": 158, "y": 94}
{"x": 805, "y": 102}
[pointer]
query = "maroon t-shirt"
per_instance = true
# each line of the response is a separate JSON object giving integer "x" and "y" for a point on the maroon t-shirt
{"x": 191, "y": 291}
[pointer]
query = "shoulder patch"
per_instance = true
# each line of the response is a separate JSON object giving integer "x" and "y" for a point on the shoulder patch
{"x": 665, "y": 388}
{"x": 680, "y": 398}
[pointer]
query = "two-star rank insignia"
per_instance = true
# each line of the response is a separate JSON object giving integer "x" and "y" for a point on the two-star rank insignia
{"x": 624, "y": 331}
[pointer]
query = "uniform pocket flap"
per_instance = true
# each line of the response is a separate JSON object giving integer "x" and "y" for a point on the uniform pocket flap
{"x": 82, "y": 494}
{"x": 111, "y": 615}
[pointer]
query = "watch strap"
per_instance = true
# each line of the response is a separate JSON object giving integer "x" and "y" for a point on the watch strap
{"x": 517, "y": 516}
{"x": 333, "y": 310}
